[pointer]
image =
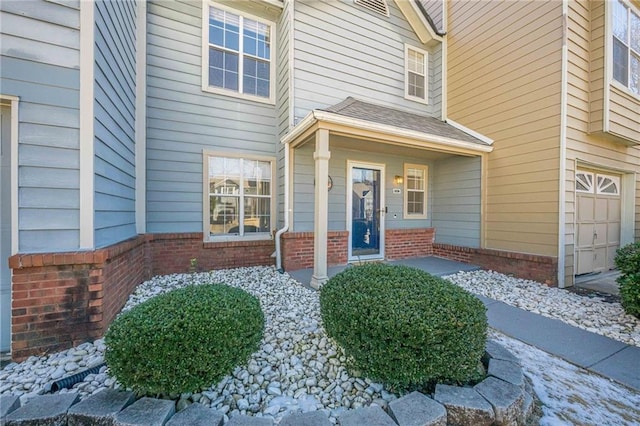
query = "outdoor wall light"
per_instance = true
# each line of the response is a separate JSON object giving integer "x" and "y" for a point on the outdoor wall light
{"x": 398, "y": 180}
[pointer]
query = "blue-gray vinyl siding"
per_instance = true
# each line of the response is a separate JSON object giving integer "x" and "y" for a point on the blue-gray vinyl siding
{"x": 183, "y": 120}
{"x": 114, "y": 123}
{"x": 303, "y": 183}
{"x": 456, "y": 201}
{"x": 40, "y": 55}
{"x": 342, "y": 49}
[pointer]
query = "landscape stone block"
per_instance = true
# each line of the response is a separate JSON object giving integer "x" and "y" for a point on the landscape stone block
{"x": 196, "y": 415}
{"x": 370, "y": 416}
{"x": 243, "y": 420}
{"x": 527, "y": 407}
{"x": 416, "y": 409}
{"x": 505, "y": 398}
{"x": 100, "y": 409}
{"x": 312, "y": 418}
{"x": 146, "y": 412}
{"x": 42, "y": 410}
{"x": 493, "y": 350}
{"x": 507, "y": 371}
{"x": 464, "y": 406}
{"x": 8, "y": 404}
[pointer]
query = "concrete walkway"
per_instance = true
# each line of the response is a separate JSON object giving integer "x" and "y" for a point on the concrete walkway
{"x": 607, "y": 357}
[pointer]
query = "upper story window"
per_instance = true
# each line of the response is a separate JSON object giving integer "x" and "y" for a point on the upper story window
{"x": 626, "y": 46}
{"x": 416, "y": 83}
{"x": 239, "y": 196}
{"x": 237, "y": 54}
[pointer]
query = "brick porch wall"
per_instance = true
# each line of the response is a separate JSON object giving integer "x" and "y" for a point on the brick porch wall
{"x": 297, "y": 249}
{"x": 406, "y": 243}
{"x": 542, "y": 269}
{"x": 63, "y": 299}
{"x": 60, "y": 300}
{"x": 172, "y": 253}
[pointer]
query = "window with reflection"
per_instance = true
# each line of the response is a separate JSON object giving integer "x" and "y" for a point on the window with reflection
{"x": 239, "y": 53}
{"x": 626, "y": 45}
{"x": 240, "y": 196}
{"x": 415, "y": 193}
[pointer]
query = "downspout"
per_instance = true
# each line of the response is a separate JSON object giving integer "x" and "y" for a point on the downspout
{"x": 287, "y": 147}
{"x": 285, "y": 227}
{"x": 563, "y": 145}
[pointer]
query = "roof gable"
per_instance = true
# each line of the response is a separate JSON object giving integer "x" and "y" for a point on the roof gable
{"x": 420, "y": 21}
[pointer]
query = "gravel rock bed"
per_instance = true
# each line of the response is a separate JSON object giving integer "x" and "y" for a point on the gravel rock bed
{"x": 297, "y": 368}
{"x": 594, "y": 314}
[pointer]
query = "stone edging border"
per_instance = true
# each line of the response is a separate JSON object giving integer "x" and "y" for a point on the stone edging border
{"x": 503, "y": 398}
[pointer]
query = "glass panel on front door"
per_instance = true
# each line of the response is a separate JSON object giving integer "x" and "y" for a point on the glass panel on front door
{"x": 365, "y": 212}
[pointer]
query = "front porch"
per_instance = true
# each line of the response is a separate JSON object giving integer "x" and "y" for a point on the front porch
{"x": 433, "y": 265}
{"x": 372, "y": 183}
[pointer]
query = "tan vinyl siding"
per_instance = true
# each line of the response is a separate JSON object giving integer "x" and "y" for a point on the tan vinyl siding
{"x": 624, "y": 114}
{"x": 504, "y": 81}
{"x": 595, "y": 150}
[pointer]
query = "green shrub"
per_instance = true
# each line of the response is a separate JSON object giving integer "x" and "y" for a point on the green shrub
{"x": 405, "y": 327}
{"x": 628, "y": 262}
{"x": 185, "y": 339}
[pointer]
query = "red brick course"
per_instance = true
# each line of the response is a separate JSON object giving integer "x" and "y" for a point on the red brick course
{"x": 538, "y": 268}
{"x": 406, "y": 243}
{"x": 63, "y": 299}
{"x": 297, "y": 249}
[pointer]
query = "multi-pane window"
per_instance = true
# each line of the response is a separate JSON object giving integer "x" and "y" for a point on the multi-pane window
{"x": 415, "y": 193}
{"x": 240, "y": 196}
{"x": 626, "y": 46}
{"x": 416, "y": 81}
{"x": 239, "y": 51}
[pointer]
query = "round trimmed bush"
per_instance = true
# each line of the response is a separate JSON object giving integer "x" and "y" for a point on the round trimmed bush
{"x": 628, "y": 262}
{"x": 405, "y": 327}
{"x": 185, "y": 339}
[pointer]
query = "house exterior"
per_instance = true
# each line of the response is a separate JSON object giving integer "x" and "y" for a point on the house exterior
{"x": 556, "y": 85}
{"x": 143, "y": 138}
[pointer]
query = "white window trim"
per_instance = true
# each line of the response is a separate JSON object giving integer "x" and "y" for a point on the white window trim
{"x": 405, "y": 210}
{"x": 205, "y": 56}
{"x": 424, "y": 100}
{"x": 205, "y": 198}
{"x": 609, "y": 47}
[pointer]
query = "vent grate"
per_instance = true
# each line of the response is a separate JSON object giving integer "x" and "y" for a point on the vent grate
{"x": 378, "y": 6}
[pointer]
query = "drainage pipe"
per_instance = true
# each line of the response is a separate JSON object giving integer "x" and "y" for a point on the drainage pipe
{"x": 69, "y": 381}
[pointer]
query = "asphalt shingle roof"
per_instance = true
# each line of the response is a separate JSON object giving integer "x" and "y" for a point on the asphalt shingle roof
{"x": 355, "y": 108}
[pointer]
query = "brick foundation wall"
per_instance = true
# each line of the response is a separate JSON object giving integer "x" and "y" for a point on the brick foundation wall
{"x": 60, "y": 300}
{"x": 297, "y": 249}
{"x": 172, "y": 253}
{"x": 63, "y": 299}
{"x": 543, "y": 269}
{"x": 406, "y": 243}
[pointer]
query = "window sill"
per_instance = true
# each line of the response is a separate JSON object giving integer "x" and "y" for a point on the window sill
{"x": 231, "y": 93}
{"x": 416, "y": 99}
{"x": 625, "y": 91}
{"x": 263, "y": 236}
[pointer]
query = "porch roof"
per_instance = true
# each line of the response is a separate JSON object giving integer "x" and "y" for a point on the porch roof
{"x": 353, "y": 117}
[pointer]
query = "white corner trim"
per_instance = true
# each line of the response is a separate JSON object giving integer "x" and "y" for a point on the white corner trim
{"x": 563, "y": 146}
{"x": 608, "y": 65}
{"x": 13, "y": 180}
{"x": 470, "y": 132}
{"x": 86, "y": 142}
{"x": 141, "y": 114}
{"x": 292, "y": 86}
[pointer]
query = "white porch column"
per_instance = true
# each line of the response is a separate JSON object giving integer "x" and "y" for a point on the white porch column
{"x": 321, "y": 157}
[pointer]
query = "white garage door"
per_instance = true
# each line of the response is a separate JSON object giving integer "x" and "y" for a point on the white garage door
{"x": 598, "y": 221}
